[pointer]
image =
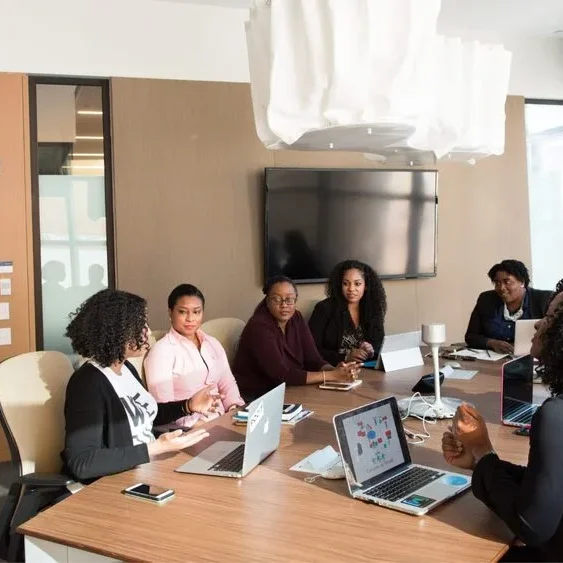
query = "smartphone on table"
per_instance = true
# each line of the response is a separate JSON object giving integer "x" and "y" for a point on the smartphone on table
{"x": 148, "y": 492}
{"x": 340, "y": 385}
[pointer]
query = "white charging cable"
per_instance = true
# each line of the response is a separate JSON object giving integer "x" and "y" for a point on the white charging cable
{"x": 418, "y": 438}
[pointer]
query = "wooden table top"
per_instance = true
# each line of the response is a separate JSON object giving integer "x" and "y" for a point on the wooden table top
{"x": 273, "y": 514}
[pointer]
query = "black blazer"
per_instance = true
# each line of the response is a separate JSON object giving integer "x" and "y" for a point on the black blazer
{"x": 487, "y": 304}
{"x": 98, "y": 438}
{"x": 327, "y": 324}
{"x": 530, "y": 499}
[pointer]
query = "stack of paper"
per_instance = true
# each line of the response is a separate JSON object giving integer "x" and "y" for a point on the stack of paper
{"x": 486, "y": 355}
{"x": 292, "y": 414}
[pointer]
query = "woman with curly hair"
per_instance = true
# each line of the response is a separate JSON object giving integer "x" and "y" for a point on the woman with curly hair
{"x": 492, "y": 322}
{"x": 529, "y": 499}
{"x": 109, "y": 414}
{"x": 348, "y": 325}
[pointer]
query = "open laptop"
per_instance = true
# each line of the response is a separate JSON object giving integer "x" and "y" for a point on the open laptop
{"x": 238, "y": 459}
{"x": 378, "y": 465}
{"x": 517, "y": 396}
{"x": 523, "y": 332}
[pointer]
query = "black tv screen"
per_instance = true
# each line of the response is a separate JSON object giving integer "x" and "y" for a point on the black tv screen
{"x": 316, "y": 218}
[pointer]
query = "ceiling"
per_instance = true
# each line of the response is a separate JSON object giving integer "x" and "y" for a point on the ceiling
{"x": 493, "y": 17}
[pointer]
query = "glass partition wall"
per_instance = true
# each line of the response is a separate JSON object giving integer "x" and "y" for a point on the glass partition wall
{"x": 72, "y": 200}
{"x": 544, "y": 136}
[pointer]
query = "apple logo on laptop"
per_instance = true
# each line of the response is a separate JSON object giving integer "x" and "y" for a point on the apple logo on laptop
{"x": 266, "y": 426}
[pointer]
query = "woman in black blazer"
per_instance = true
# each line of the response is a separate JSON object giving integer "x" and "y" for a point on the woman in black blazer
{"x": 528, "y": 498}
{"x": 348, "y": 325}
{"x": 492, "y": 322}
{"x": 109, "y": 414}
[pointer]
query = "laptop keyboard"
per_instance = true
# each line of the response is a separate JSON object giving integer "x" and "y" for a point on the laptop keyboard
{"x": 407, "y": 482}
{"x": 232, "y": 462}
{"x": 518, "y": 412}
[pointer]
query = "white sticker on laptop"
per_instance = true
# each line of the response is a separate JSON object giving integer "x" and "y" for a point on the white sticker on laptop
{"x": 256, "y": 417}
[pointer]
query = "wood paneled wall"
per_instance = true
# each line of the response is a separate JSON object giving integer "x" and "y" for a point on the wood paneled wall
{"x": 188, "y": 206}
{"x": 16, "y": 243}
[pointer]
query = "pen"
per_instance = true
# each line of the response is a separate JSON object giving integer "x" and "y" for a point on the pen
{"x": 488, "y": 354}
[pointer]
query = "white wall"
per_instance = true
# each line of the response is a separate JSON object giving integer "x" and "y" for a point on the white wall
{"x": 129, "y": 38}
{"x": 178, "y": 40}
{"x": 537, "y": 62}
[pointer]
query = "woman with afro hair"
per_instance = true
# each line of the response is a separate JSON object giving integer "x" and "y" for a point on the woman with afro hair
{"x": 348, "y": 324}
{"x": 109, "y": 414}
{"x": 528, "y": 498}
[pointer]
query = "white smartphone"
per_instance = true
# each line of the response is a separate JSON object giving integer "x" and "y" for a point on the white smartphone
{"x": 340, "y": 385}
{"x": 148, "y": 492}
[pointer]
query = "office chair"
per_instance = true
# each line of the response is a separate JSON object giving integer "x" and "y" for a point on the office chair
{"x": 32, "y": 396}
{"x": 156, "y": 335}
{"x": 227, "y": 331}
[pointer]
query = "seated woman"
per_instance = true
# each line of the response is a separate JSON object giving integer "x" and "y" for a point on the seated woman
{"x": 186, "y": 360}
{"x": 109, "y": 414}
{"x": 529, "y": 499}
{"x": 348, "y": 325}
{"x": 491, "y": 325}
{"x": 276, "y": 345}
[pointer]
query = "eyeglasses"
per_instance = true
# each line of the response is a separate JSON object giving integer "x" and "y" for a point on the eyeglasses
{"x": 278, "y": 301}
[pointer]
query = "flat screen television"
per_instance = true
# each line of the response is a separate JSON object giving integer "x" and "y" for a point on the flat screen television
{"x": 314, "y": 218}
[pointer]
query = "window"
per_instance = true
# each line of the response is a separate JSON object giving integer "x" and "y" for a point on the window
{"x": 544, "y": 136}
{"x": 72, "y": 200}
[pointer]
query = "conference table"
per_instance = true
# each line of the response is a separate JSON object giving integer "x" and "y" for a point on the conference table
{"x": 273, "y": 514}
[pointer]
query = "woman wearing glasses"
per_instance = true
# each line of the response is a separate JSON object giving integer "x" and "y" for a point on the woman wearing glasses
{"x": 277, "y": 346}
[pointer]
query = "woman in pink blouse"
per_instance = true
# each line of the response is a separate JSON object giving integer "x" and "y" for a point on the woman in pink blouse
{"x": 187, "y": 360}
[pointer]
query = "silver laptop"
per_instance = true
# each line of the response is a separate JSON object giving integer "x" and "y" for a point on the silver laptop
{"x": 378, "y": 465}
{"x": 238, "y": 459}
{"x": 517, "y": 394}
{"x": 523, "y": 333}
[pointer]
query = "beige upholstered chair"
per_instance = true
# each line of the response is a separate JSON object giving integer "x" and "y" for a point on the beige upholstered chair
{"x": 32, "y": 396}
{"x": 306, "y": 307}
{"x": 156, "y": 335}
{"x": 227, "y": 331}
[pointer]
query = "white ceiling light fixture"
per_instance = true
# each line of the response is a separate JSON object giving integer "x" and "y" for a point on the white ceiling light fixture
{"x": 90, "y": 112}
{"x": 373, "y": 76}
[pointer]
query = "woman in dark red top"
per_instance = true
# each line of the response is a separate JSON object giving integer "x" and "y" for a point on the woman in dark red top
{"x": 277, "y": 346}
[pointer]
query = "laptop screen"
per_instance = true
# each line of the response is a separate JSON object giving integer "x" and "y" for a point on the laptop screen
{"x": 372, "y": 441}
{"x": 517, "y": 384}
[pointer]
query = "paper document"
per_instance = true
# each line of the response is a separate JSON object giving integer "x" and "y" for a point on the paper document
{"x": 462, "y": 374}
{"x": 5, "y": 336}
{"x": 318, "y": 461}
{"x": 486, "y": 355}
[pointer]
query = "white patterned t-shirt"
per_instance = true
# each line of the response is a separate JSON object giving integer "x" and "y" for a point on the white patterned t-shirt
{"x": 139, "y": 404}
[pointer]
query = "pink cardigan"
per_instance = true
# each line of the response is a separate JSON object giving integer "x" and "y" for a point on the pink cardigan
{"x": 175, "y": 370}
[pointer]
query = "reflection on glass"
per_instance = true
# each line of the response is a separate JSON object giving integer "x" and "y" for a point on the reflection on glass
{"x": 544, "y": 135}
{"x": 72, "y": 210}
